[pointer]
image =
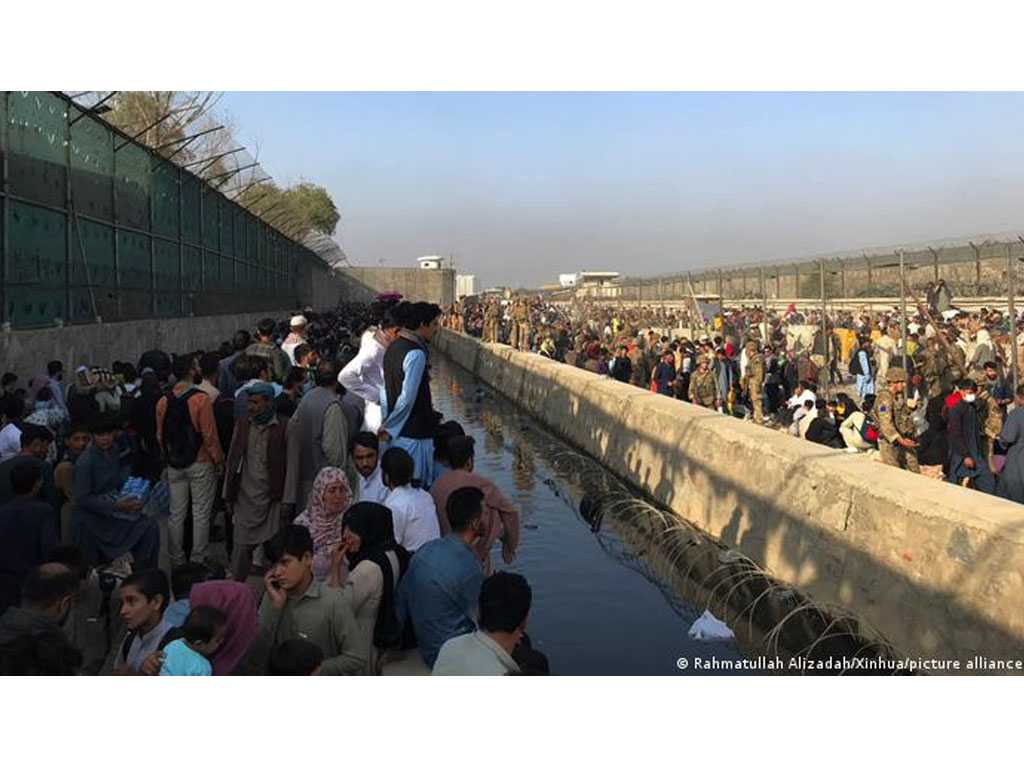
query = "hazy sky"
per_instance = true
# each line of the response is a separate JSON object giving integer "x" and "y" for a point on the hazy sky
{"x": 519, "y": 187}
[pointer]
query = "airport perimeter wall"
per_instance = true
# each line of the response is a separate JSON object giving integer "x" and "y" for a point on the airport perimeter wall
{"x": 27, "y": 352}
{"x": 364, "y": 283}
{"x": 935, "y": 569}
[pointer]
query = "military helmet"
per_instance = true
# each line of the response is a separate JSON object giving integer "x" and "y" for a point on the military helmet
{"x": 896, "y": 374}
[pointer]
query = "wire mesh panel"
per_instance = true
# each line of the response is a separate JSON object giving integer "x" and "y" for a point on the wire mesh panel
{"x": 166, "y": 202}
{"x": 131, "y": 182}
{"x": 36, "y": 270}
{"x": 92, "y": 167}
{"x": 36, "y": 129}
{"x": 93, "y": 274}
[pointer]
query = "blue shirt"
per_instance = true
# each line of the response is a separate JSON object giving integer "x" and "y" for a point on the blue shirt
{"x": 865, "y": 380}
{"x": 177, "y": 612}
{"x": 396, "y": 414}
{"x": 182, "y": 661}
{"x": 440, "y": 593}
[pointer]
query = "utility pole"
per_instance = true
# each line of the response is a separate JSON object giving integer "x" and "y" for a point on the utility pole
{"x": 1011, "y": 279}
{"x": 903, "y": 310}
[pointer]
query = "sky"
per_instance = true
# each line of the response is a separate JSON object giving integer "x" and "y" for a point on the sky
{"x": 519, "y": 187}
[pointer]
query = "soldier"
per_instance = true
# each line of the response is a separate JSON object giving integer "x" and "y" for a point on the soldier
{"x": 703, "y": 388}
{"x": 956, "y": 362}
{"x": 990, "y": 417}
{"x": 492, "y": 320}
{"x": 895, "y": 424}
{"x": 523, "y": 318}
{"x": 933, "y": 367}
{"x": 752, "y": 381}
{"x": 513, "y": 331}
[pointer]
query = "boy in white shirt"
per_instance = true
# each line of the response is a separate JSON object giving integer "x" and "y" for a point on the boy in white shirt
{"x": 412, "y": 509}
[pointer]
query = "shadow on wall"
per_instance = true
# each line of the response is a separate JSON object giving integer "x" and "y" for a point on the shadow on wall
{"x": 933, "y": 568}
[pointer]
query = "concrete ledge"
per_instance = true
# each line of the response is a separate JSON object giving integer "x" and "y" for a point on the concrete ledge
{"x": 936, "y": 569}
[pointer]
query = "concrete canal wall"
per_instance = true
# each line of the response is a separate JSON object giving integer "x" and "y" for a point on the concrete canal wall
{"x": 936, "y": 569}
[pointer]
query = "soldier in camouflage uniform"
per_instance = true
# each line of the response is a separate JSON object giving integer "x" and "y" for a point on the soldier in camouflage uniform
{"x": 513, "y": 331}
{"x": 896, "y": 445}
{"x": 933, "y": 367}
{"x": 492, "y": 319}
{"x": 752, "y": 381}
{"x": 956, "y": 362}
{"x": 703, "y": 387}
{"x": 523, "y": 318}
{"x": 990, "y": 419}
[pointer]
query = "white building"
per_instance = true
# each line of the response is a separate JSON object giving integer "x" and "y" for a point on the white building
{"x": 465, "y": 285}
{"x": 430, "y": 262}
{"x": 588, "y": 279}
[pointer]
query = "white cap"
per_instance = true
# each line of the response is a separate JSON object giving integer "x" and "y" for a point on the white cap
{"x": 299, "y": 320}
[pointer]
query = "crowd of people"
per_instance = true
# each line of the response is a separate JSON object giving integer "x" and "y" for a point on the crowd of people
{"x": 287, "y": 503}
{"x": 932, "y": 392}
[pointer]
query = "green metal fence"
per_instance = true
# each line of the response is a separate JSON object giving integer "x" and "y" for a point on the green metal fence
{"x": 96, "y": 226}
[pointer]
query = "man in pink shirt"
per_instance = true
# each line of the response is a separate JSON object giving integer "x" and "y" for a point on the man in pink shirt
{"x": 500, "y": 516}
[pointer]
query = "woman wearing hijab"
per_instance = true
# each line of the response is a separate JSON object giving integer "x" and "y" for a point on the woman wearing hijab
{"x": 331, "y": 496}
{"x": 241, "y": 653}
{"x": 983, "y": 351}
{"x": 45, "y": 413}
{"x": 375, "y": 564}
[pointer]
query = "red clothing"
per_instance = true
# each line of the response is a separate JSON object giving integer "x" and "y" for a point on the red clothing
{"x": 499, "y": 510}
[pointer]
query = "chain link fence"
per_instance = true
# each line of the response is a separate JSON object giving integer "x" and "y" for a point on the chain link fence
{"x": 979, "y": 267}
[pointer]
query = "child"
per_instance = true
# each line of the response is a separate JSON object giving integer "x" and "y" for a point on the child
{"x": 296, "y": 657}
{"x": 204, "y": 631}
{"x": 144, "y": 596}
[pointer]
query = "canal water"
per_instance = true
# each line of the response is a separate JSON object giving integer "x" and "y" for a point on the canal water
{"x": 598, "y": 606}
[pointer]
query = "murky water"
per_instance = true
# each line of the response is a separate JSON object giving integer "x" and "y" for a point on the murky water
{"x": 598, "y": 608}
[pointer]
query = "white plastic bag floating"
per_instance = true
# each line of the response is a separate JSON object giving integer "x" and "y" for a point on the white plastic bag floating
{"x": 707, "y": 627}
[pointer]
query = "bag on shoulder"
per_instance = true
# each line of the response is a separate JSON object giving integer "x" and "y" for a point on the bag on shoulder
{"x": 868, "y": 431}
{"x": 855, "y": 364}
{"x": 182, "y": 440}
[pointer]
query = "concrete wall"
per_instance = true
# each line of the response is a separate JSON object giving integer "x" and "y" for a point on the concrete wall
{"x": 27, "y": 352}
{"x": 936, "y": 569}
{"x": 434, "y": 285}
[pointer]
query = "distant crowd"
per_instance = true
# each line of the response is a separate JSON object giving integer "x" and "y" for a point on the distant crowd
{"x": 938, "y": 398}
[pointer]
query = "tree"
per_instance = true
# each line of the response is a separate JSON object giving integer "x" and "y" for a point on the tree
{"x": 316, "y": 206}
{"x": 157, "y": 118}
{"x": 167, "y": 121}
{"x": 296, "y": 210}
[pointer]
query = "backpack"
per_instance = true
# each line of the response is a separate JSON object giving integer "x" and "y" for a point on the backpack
{"x": 181, "y": 439}
{"x": 812, "y": 371}
{"x": 869, "y": 432}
